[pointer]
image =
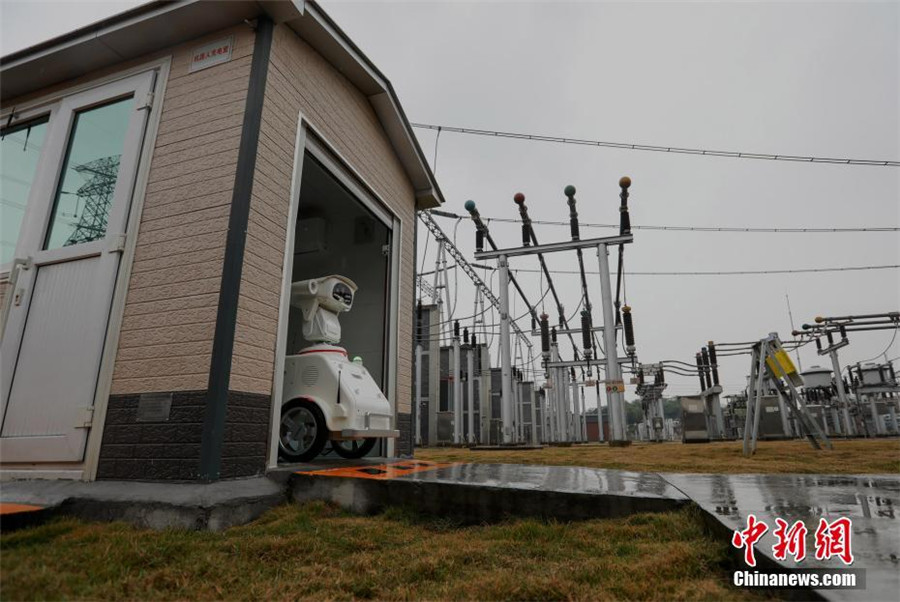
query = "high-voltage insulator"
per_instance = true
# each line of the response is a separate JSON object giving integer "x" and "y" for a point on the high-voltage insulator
{"x": 818, "y": 344}
{"x": 714, "y": 364}
{"x": 479, "y": 231}
{"x": 700, "y": 372}
{"x": 843, "y": 330}
{"x": 572, "y": 372}
{"x": 586, "y": 328}
{"x": 456, "y": 329}
{"x": 629, "y": 329}
{"x": 545, "y": 334}
{"x": 553, "y": 335}
{"x": 704, "y": 357}
{"x": 466, "y": 335}
{"x": 519, "y": 200}
{"x": 573, "y": 213}
{"x": 624, "y": 219}
{"x": 640, "y": 376}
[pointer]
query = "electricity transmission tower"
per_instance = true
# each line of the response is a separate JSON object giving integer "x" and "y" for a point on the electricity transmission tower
{"x": 97, "y": 193}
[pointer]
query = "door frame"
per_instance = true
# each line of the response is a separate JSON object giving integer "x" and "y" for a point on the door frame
{"x": 310, "y": 138}
{"x": 87, "y": 469}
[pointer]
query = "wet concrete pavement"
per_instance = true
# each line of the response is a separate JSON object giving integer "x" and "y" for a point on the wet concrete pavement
{"x": 872, "y": 502}
{"x": 473, "y": 493}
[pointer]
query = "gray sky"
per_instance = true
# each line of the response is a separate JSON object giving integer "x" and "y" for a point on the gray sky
{"x": 804, "y": 78}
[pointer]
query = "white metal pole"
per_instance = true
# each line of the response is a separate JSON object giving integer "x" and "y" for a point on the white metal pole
{"x": 842, "y": 393}
{"x": 485, "y": 408}
{"x": 613, "y": 396}
{"x": 553, "y": 401}
{"x": 584, "y": 435}
{"x": 576, "y": 417}
{"x": 560, "y": 383}
{"x": 534, "y": 399}
{"x": 600, "y": 437}
{"x": 520, "y": 387}
{"x": 505, "y": 353}
{"x": 563, "y": 404}
{"x": 470, "y": 371}
{"x": 662, "y": 417}
{"x": 418, "y": 413}
{"x": 457, "y": 394}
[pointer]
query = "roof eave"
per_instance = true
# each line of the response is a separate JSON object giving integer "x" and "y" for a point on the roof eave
{"x": 317, "y": 28}
{"x": 166, "y": 23}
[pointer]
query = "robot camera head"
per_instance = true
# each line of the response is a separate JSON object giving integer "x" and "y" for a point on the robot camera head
{"x": 321, "y": 300}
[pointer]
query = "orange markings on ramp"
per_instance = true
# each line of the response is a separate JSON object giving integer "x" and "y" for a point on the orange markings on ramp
{"x": 10, "y": 508}
{"x": 378, "y": 471}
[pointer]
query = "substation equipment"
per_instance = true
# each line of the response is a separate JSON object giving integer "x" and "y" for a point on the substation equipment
{"x": 877, "y": 388}
{"x": 651, "y": 382}
{"x": 770, "y": 361}
{"x": 864, "y": 403}
{"x": 702, "y": 416}
{"x": 563, "y": 421}
{"x": 453, "y": 400}
{"x": 326, "y": 395}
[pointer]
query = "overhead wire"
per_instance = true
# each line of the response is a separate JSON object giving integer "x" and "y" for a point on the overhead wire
{"x": 724, "y": 229}
{"x": 891, "y": 344}
{"x": 738, "y": 272}
{"x": 659, "y": 148}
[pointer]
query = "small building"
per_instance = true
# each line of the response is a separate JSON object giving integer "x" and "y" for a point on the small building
{"x": 167, "y": 173}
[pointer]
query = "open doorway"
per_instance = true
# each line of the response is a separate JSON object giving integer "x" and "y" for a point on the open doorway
{"x": 337, "y": 233}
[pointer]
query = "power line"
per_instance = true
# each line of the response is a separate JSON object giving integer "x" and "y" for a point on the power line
{"x": 729, "y": 229}
{"x": 734, "y": 272}
{"x": 656, "y": 148}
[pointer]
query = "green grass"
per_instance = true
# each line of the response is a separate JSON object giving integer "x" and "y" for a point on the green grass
{"x": 317, "y": 552}
{"x": 855, "y": 456}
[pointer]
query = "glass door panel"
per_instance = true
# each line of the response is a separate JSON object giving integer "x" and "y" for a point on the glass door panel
{"x": 20, "y": 149}
{"x": 89, "y": 174}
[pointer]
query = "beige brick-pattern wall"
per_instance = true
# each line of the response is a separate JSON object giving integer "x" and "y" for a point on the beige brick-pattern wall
{"x": 301, "y": 80}
{"x": 170, "y": 309}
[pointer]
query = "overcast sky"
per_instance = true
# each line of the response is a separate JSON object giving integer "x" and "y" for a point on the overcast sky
{"x": 819, "y": 79}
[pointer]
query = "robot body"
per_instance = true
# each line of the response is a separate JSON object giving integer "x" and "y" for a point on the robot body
{"x": 325, "y": 395}
{"x": 353, "y": 405}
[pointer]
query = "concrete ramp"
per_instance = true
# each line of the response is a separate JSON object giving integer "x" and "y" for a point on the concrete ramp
{"x": 475, "y": 493}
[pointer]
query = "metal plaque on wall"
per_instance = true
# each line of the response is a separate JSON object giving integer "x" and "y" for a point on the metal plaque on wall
{"x": 154, "y": 407}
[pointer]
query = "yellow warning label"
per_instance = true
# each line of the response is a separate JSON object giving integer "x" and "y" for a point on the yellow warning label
{"x": 785, "y": 365}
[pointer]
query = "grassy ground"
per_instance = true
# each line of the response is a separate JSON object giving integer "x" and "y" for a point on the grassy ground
{"x": 848, "y": 457}
{"x": 317, "y": 552}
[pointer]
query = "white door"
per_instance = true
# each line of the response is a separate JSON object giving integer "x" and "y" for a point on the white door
{"x": 66, "y": 262}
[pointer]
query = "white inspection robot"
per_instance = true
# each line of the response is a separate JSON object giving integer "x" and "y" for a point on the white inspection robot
{"x": 327, "y": 396}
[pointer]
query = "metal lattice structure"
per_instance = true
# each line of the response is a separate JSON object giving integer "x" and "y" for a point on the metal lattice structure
{"x": 467, "y": 268}
{"x": 96, "y": 193}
